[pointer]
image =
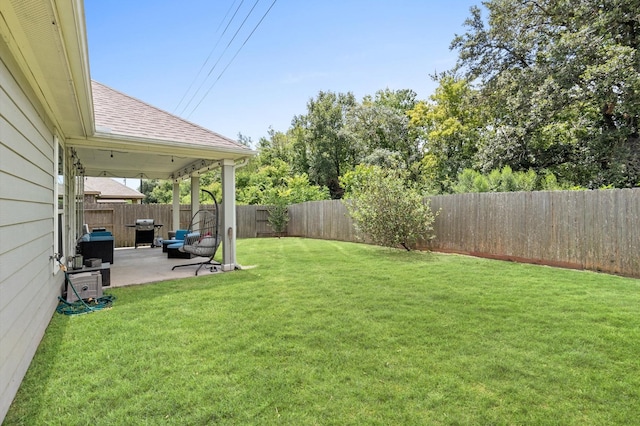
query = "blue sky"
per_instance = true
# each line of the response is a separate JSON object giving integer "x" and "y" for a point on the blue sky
{"x": 153, "y": 50}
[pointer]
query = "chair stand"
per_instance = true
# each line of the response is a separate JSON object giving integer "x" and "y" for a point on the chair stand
{"x": 214, "y": 265}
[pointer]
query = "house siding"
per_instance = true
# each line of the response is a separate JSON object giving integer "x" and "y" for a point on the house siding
{"x": 29, "y": 283}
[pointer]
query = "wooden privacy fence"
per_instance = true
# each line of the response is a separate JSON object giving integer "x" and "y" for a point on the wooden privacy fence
{"x": 596, "y": 230}
{"x": 326, "y": 220}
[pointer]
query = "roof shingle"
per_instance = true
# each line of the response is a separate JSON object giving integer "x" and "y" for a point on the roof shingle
{"x": 120, "y": 114}
{"x": 109, "y": 188}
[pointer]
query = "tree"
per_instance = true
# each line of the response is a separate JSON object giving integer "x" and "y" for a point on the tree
{"x": 561, "y": 80}
{"x": 147, "y": 188}
{"x": 374, "y": 127}
{"x": 278, "y": 216}
{"x": 278, "y": 146}
{"x": 273, "y": 183}
{"x": 450, "y": 126}
{"x": 505, "y": 180}
{"x": 328, "y": 151}
{"x": 245, "y": 140}
{"x": 400, "y": 100}
{"x": 163, "y": 192}
{"x": 384, "y": 209}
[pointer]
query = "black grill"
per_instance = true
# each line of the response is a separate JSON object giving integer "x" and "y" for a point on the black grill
{"x": 144, "y": 232}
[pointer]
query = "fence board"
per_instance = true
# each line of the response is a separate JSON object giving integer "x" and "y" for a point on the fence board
{"x": 246, "y": 221}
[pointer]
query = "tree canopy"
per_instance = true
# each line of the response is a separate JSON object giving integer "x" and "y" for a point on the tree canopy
{"x": 561, "y": 80}
{"x": 544, "y": 92}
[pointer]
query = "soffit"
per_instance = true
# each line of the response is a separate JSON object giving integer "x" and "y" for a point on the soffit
{"x": 48, "y": 42}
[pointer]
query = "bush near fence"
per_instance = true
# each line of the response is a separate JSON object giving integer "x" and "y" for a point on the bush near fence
{"x": 595, "y": 230}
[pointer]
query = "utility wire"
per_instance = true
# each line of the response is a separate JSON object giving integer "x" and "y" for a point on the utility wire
{"x": 212, "y": 50}
{"x": 210, "y": 54}
{"x": 234, "y": 57}
{"x": 219, "y": 58}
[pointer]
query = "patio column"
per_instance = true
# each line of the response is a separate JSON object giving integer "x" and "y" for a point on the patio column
{"x": 195, "y": 194}
{"x": 228, "y": 225}
{"x": 176, "y": 205}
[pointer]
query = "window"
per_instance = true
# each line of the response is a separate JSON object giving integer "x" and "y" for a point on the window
{"x": 59, "y": 194}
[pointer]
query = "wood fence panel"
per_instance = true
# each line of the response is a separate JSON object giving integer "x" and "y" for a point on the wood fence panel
{"x": 485, "y": 224}
{"x": 576, "y": 215}
{"x": 619, "y": 205}
{"x": 315, "y": 219}
{"x": 443, "y": 238}
{"x": 246, "y": 221}
{"x": 631, "y": 230}
{"x": 263, "y": 227}
{"x": 297, "y": 225}
{"x": 596, "y": 221}
{"x": 330, "y": 218}
{"x": 605, "y": 219}
{"x": 537, "y": 227}
{"x": 344, "y": 224}
{"x": 102, "y": 218}
{"x": 596, "y": 230}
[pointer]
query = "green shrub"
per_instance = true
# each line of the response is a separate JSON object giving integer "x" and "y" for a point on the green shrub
{"x": 385, "y": 209}
{"x": 278, "y": 217}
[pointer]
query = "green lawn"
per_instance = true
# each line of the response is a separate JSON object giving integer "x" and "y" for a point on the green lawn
{"x": 322, "y": 332}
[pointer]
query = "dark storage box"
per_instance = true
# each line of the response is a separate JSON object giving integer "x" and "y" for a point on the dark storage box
{"x": 93, "y": 262}
{"x": 102, "y": 250}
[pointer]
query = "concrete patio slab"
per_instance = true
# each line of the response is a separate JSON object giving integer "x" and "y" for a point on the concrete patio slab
{"x": 143, "y": 265}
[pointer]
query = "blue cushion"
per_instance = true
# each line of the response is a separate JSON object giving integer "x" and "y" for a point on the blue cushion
{"x": 101, "y": 234}
{"x": 101, "y": 238}
{"x": 180, "y": 233}
{"x": 175, "y": 245}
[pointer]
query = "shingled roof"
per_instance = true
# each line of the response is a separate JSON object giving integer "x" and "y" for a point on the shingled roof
{"x": 117, "y": 113}
{"x": 108, "y": 188}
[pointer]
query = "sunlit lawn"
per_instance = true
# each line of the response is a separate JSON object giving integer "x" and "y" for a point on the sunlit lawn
{"x": 321, "y": 332}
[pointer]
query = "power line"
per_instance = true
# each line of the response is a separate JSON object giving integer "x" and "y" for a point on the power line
{"x": 212, "y": 50}
{"x": 220, "y": 57}
{"x": 234, "y": 57}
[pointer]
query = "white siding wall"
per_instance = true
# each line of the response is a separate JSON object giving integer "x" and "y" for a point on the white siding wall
{"x": 28, "y": 284}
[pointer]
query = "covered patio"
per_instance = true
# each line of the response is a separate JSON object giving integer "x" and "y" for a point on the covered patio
{"x": 146, "y": 265}
{"x": 135, "y": 140}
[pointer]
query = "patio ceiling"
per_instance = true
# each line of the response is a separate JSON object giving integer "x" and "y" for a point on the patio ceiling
{"x": 118, "y": 156}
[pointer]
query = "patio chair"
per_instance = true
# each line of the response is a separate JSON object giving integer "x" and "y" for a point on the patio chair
{"x": 202, "y": 238}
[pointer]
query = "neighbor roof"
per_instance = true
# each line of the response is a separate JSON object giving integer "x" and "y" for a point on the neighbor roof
{"x": 119, "y": 114}
{"x": 109, "y": 188}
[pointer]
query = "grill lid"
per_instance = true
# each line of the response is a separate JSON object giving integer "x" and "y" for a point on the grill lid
{"x": 144, "y": 224}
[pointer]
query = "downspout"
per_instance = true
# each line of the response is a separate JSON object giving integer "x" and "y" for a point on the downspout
{"x": 242, "y": 163}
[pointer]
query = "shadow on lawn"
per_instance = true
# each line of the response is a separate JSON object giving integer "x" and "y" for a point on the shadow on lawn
{"x": 399, "y": 255}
